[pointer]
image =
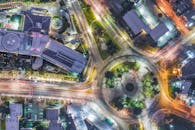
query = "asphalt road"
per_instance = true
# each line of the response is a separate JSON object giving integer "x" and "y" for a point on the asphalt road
{"x": 90, "y": 91}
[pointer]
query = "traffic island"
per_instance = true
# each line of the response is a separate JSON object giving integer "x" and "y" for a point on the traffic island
{"x": 127, "y": 85}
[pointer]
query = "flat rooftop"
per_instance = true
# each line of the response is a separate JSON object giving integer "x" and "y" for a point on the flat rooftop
{"x": 39, "y": 45}
{"x": 137, "y": 25}
{"x": 52, "y": 114}
{"x": 36, "y": 23}
{"x": 141, "y": 19}
{"x": 63, "y": 56}
{"x": 15, "y": 109}
{"x": 12, "y": 124}
{"x": 188, "y": 69}
{"x": 158, "y": 31}
{"x": 134, "y": 22}
{"x": 55, "y": 126}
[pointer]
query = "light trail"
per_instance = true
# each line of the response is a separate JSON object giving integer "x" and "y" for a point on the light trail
{"x": 193, "y": 1}
{"x": 166, "y": 7}
{"x": 171, "y": 51}
{"x": 168, "y": 53}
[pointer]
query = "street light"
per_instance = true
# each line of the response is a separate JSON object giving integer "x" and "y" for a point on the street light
{"x": 89, "y": 30}
{"x": 97, "y": 17}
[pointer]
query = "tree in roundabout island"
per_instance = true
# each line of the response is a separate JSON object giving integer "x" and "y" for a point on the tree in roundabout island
{"x": 133, "y": 106}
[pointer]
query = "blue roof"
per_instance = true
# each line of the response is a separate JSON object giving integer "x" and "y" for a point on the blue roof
{"x": 189, "y": 68}
{"x": 186, "y": 85}
{"x": 134, "y": 22}
{"x": 137, "y": 25}
{"x": 36, "y": 23}
{"x": 158, "y": 31}
{"x": 42, "y": 46}
{"x": 52, "y": 114}
{"x": 64, "y": 57}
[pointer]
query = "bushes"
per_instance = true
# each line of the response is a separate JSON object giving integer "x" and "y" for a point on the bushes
{"x": 150, "y": 85}
{"x": 88, "y": 12}
{"x": 126, "y": 102}
{"x": 118, "y": 71}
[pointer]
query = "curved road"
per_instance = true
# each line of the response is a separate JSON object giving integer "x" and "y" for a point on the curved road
{"x": 89, "y": 91}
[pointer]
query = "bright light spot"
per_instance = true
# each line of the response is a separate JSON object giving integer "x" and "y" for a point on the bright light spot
{"x": 91, "y": 117}
{"x": 125, "y": 37}
{"x": 191, "y": 24}
{"x": 171, "y": 126}
{"x": 193, "y": 17}
{"x": 174, "y": 72}
{"x": 89, "y": 30}
{"x": 14, "y": 25}
{"x": 190, "y": 54}
{"x": 97, "y": 17}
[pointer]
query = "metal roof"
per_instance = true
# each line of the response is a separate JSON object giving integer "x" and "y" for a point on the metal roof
{"x": 137, "y": 25}
{"x": 134, "y": 22}
{"x": 42, "y": 46}
{"x": 189, "y": 68}
{"x": 158, "y": 31}
{"x": 36, "y": 23}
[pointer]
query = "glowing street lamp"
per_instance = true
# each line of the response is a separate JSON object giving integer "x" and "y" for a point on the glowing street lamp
{"x": 97, "y": 17}
{"x": 89, "y": 30}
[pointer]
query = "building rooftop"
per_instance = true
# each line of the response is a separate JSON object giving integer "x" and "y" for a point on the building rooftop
{"x": 97, "y": 120}
{"x": 15, "y": 109}
{"x": 34, "y": 41}
{"x": 36, "y": 22}
{"x": 185, "y": 9}
{"x": 52, "y": 114}
{"x": 21, "y": 43}
{"x": 137, "y": 25}
{"x": 188, "y": 69}
{"x": 26, "y": 129}
{"x": 39, "y": 45}
{"x": 53, "y": 125}
{"x": 185, "y": 87}
{"x": 181, "y": 6}
{"x": 12, "y": 124}
{"x": 63, "y": 56}
{"x": 158, "y": 31}
{"x": 189, "y": 15}
{"x": 134, "y": 22}
{"x": 190, "y": 18}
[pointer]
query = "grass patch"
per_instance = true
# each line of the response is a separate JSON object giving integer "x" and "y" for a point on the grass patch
{"x": 87, "y": 12}
{"x": 124, "y": 67}
{"x": 171, "y": 91}
{"x": 3, "y": 124}
{"x": 76, "y": 24}
{"x": 83, "y": 49}
{"x": 118, "y": 71}
{"x": 102, "y": 37}
{"x": 150, "y": 85}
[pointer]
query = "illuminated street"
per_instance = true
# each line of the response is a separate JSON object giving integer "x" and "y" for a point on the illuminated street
{"x": 97, "y": 65}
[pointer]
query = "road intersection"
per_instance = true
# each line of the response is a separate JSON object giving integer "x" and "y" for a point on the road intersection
{"x": 90, "y": 90}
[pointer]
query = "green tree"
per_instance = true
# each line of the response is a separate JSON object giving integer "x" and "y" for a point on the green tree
{"x": 136, "y": 66}
{"x": 38, "y": 1}
{"x": 116, "y": 102}
{"x": 109, "y": 74}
